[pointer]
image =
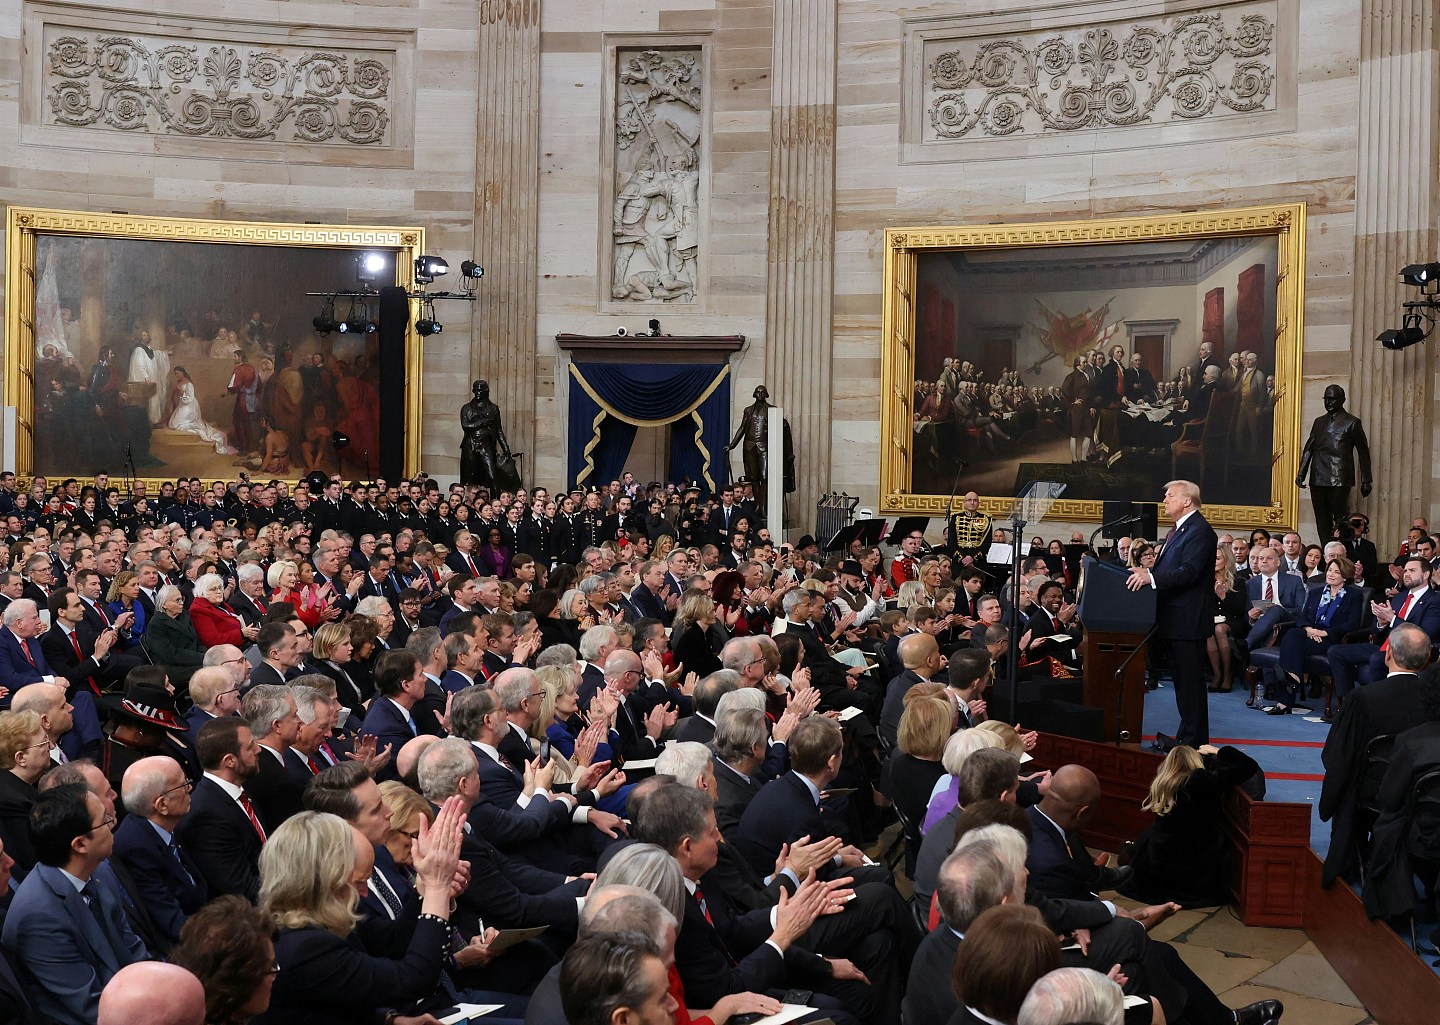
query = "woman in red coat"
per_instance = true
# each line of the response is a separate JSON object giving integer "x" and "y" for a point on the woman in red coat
{"x": 215, "y": 622}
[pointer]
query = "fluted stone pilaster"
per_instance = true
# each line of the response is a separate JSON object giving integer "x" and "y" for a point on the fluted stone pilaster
{"x": 507, "y": 193}
{"x": 1397, "y": 213}
{"x": 801, "y": 261}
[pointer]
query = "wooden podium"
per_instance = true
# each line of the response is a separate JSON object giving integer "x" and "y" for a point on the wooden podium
{"x": 1116, "y": 621}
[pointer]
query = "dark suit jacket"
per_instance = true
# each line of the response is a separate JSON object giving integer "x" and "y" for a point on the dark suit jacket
{"x": 196, "y": 717}
{"x": 1054, "y": 870}
{"x": 1291, "y": 590}
{"x": 510, "y": 894}
{"x": 60, "y": 654}
{"x": 1389, "y": 883}
{"x": 246, "y": 609}
{"x": 894, "y": 705}
{"x": 735, "y": 792}
{"x": 1385, "y": 707}
{"x": 328, "y": 980}
{"x": 16, "y": 799}
{"x": 929, "y": 997}
{"x": 222, "y": 842}
{"x": 1184, "y": 577}
{"x": 647, "y": 604}
{"x": 385, "y": 723}
{"x": 382, "y": 935}
{"x": 695, "y": 729}
{"x": 172, "y": 891}
{"x": 1424, "y": 612}
{"x": 275, "y": 792}
{"x": 59, "y": 949}
{"x": 783, "y": 811}
{"x": 15, "y": 669}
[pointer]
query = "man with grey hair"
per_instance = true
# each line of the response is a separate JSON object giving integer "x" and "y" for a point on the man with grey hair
{"x": 596, "y": 644}
{"x": 157, "y": 796}
{"x": 304, "y": 759}
{"x": 57, "y": 718}
{"x": 462, "y": 661}
{"x": 640, "y": 726}
{"x": 1073, "y": 996}
{"x": 744, "y": 657}
{"x": 214, "y": 691}
{"x": 382, "y": 612}
{"x": 700, "y": 727}
{"x": 228, "y": 657}
{"x": 971, "y": 881}
{"x": 428, "y": 645}
{"x": 495, "y": 895}
{"x": 21, "y": 660}
{"x": 269, "y": 710}
{"x": 557, "y": 655}
{"x": 248, "y": 599}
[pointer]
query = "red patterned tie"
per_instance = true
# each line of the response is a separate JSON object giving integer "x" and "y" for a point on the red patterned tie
{"x": 254, "y": 819}
{"x": 1269, "y": 589}
{"x": 1399, "y": 618}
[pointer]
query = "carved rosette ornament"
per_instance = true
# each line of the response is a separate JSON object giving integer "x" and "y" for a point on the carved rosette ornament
{"x": 219, "y": 90}
{"x": 1165, "y": 70}
{"x": 655, "y": 220}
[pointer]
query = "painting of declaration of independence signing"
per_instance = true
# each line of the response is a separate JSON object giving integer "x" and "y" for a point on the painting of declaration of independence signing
{"x": 1109, "y": 368}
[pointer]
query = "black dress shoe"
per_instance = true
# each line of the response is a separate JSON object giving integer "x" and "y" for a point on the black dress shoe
{"x": 1278, "y": 710}
{"x": 1114, "y": 878}
{"x": 1262, "y": 1012}
{"x": 1163, "y": 743}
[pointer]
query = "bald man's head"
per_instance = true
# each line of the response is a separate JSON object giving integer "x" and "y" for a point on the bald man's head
{"x": 1074, "y": 791}
{"x": 152, "y": 993}
{"x": 621, "y": 662}
{"x": 407, "y": 759}
{"x": 916, "y": 648}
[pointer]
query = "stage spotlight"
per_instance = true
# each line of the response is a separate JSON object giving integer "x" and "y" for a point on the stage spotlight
{"x": 369, "y": 266}
{"x": 357, "y": 325}
{"x": 1410, "y": 333}
{"x": 471, "y": 269}
{"x": 428, "y": 327}
{"x": 428, "y": 268}
{"x": 1420, "y": 274}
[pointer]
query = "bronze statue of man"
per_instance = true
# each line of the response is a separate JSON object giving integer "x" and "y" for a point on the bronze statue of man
{"x": 754, "y": 430}
{"x": 485, "y": 458}
{"x": 1329, "y": 458}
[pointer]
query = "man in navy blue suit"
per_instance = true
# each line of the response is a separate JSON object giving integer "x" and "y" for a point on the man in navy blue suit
{"x": 1184, "y": 581}
{"x": 157, "y": 796}
{"x": 1416, "y": 603}
{"x": 67, "y": 936}
{"x": 21, "y": 660}
{"x": 399, "y": 686}
{"x": 1285, "y": 591}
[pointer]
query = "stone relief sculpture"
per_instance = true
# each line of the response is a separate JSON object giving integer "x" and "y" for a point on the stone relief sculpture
{"x": 1156, "y": 71}
{"x": 656, "y": 215}
{"x": 220, "y": 90}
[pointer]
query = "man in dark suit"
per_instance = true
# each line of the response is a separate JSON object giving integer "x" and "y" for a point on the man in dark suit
{"x": 1285, "y": 592}
{"x": 22, "y": 660}
{"x": 790, "y": 807}
{"x": 700, "y": 727}
{"x": 82, "y": 658}
{"x": 274, "y": 720}
{"x": 1384, "y": 708}
{"x": 157, "y": 796}
{"x": 66, "y": 940}
{"x": 922, "y": 659}
{"x": 719, "y": 951}
{"x": 463, "y": 559}
{"x": 1184, "y": 580}
{"x": 223, "y": 832}
{"x": 15, "y": 1005}
{"x": 1060, "y": 866}
{"x": 1416, "y": 603}
{"x": 399, "y": 687}
{"x": 504, "y": 892}
{"x": 215, "y": 690}
{"x": 248, "y": 599}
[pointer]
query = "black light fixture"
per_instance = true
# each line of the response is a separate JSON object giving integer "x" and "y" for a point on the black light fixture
{"x": 428, "y": 268}
{"x": 326, "y": 323}
{"x": 369, "y": 267}
{"x": 1411, "y": 332}
{"x": 357, "y": 322}
{"x": 428, "y": 325}
{"x": 471, "y": 269}
{"x": 1421, "y": 274}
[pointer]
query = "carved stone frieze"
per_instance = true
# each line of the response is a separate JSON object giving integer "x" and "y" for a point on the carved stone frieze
{"x": 1202, "y": 65}
{"x": 655, "y": 220}
{"x": 216, "y": 89}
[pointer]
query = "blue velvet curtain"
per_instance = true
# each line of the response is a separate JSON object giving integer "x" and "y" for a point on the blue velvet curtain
{"x": 610, "y": 401}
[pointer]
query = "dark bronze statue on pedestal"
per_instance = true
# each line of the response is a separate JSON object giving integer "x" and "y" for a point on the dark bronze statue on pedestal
{"x": 754, "y": 431}
{"x": 485, "y": 456}
{"x": 1329, "y": 458}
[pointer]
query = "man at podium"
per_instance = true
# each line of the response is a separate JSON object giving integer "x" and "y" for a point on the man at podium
{"x": 1184, "y": 579}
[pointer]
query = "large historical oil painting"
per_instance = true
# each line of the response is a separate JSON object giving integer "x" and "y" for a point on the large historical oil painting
{"x": 176, "y": 355}
{"x": 1107, "y": 356}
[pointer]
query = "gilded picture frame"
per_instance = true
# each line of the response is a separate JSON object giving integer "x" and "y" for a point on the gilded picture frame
{"x": 981, "y": 325}
{"x": 79, "y": 282}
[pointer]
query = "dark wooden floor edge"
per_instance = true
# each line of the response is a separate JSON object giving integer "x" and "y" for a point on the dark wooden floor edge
{"x": 1395, "y": 985}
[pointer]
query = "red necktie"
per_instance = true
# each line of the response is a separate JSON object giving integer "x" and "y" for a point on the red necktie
{"x": 101, "y": 609}
{"x": 1269, "y": 589}
{"x": 25, "y": 647}
{"x": 471, "y": 563}
{"x": 75, "y": 643}
{"x": 314, "y": 769}
{"x": 1399, "y": 617}
{"x": 250, "y": 813}
{"x": 704, "y": 908}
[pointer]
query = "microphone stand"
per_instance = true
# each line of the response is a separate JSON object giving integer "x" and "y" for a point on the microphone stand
{"x": 1121, "y": 735}
{"x": 950, "y": 507}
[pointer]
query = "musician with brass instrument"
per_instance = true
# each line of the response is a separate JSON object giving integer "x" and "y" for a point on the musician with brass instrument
{"x": 968, "y": 533}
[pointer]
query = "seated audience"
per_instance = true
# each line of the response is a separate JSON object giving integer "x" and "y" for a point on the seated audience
{"x": 1073, "y": 996}
{"x": 223, "y": 830}
{"x": 156, "y": 795}
{"x": 1007, "y": 950}
{"x": 24, "y": 757}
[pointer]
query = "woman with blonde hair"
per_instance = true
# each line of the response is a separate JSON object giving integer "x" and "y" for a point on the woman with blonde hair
{"x": 558, "y": 704}
{"x": 123, "y": 597}
{"x": 311, "y": 871}
{"x": 690, "y": 636}
{"x": 333, "y": 650}
{"x": 1183, "y": 854}
{"x": 24, "y": 757}
{"x": 1231, "y": 606}
{"x": 909, "y": 775}
{"x": 664, "y": 544}
{"x": 287, "y": 585}
{"x": 407, "y": 811}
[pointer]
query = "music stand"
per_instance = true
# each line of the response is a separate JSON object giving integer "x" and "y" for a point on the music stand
{"x": 903, "y": 526}
{"x": 1030, "y": 506}
{"x": 841, "y": 539}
